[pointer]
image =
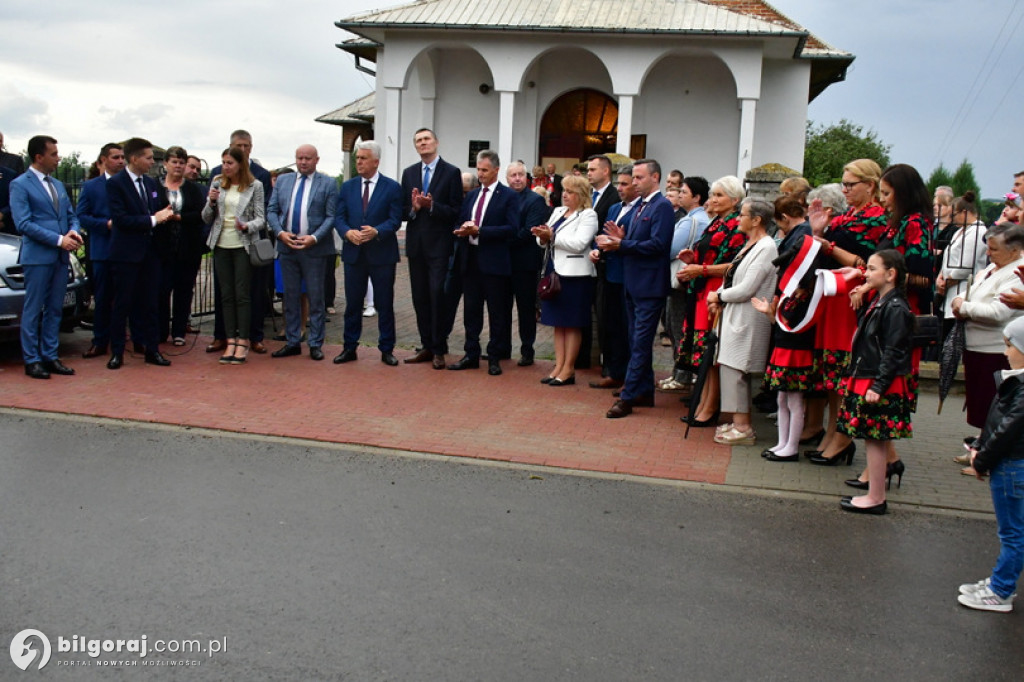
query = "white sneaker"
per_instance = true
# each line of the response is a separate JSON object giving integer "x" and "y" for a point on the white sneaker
{"x": 970, "y": 588}
{"x": 369, "y": 311}
{"x": 984, "y": 599}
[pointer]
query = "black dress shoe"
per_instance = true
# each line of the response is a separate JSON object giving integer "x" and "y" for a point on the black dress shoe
{"x": 558, "y": 382}
{"x": 36, "y": 371}
{"x": 856, "y": 483}
{"x": 846, "y": 454}
{"x": 848, "y": 505}
{"x": 779, "y": 458}
{"x": 347, "y": 355}
{"x": 494, "y": 367}
{"x": 316, "y": 353}
{"x": 115, "y": 362}
{"x": 526, "y": 360}
{"x": 547, "y": 380}
{"x": 288, "y": 351}
{"x": 95, "y": 352}
{"x": 465, "y": 362}
{"x": 389, "y": 359}
{"x": 57, "y": 367}
{"x": 815, "y": 439}
{"x": 155, "y": 358}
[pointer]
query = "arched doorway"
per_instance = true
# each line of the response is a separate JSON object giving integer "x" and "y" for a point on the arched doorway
{"x": 579, "y": 124}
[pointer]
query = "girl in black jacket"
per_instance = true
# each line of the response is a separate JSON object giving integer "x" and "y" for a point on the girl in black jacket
{"x": 876, "y": 403}
{"x": 999, "y": 452}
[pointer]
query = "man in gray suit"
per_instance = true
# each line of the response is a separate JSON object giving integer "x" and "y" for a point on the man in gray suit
{"x": 301, "y": 214}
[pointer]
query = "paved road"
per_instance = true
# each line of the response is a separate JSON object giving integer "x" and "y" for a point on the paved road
{"x": 332, "y": 563}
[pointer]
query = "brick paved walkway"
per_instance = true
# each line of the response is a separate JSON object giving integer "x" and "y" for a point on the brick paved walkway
{"x": 468, "y": 414}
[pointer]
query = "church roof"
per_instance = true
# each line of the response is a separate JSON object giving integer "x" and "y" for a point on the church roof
{"x": 359, "y": 111}
{"x": 689, "y": 17}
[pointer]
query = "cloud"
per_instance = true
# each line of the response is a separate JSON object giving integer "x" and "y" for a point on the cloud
{"x": 22, "y": 114}
{"x": 136, "y": 117}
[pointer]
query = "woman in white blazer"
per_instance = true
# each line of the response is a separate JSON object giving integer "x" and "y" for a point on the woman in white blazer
{"x": 568, "y": 237}
{"x": 235, "y": 209}
{"x": 965, "y": 256}
{"x": 744, "y": 333}
{"x": 986, "y": 316}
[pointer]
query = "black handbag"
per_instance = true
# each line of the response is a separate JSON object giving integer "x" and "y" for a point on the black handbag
{"x": 927, "y": 331}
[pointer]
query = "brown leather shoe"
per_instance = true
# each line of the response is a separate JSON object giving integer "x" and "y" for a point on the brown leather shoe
{"x": 217, "y": 346}
{"x": 621, "y": 408}
{"x": 423, "y": 356}
{"x": 258, "y": 347}
{"x": 95, "y": 352}
{"x": 606, "y": 382}
{"x": 439, "y": 362}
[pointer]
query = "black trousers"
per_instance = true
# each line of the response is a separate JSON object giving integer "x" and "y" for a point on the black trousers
{"x": 426, "y": 280}
{"x": 493, "y": 291}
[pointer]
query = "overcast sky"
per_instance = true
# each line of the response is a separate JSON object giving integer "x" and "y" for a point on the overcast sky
{"x": 939, "y": 80}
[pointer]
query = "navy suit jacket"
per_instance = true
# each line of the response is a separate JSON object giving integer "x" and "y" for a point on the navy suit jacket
{"x": 7, "y": 175}
{"x": 613, "y": 268}
{"x": 646, "y": 249}
{"x": 429, "y": 233}
{"x": 93, "y": 213}
{"x": 498, "y": 227}
{"x": 133, "y": 232}
{"x": 384, "y": 212}
{"x": 323, "y": 200}
{"x": 533, "y": 211}
{"x": 38, "y": 222}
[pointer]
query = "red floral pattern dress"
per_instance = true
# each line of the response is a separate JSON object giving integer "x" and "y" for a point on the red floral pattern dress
{"x": 791, "y": 365}
{"x": 721, "y": 243}
{"x": 857, "y": 231}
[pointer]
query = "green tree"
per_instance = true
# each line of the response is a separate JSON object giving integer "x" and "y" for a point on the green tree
{"x": 940, "y": 176}
{"x": 963, "y": 179}
{"x": 828, "y": 148}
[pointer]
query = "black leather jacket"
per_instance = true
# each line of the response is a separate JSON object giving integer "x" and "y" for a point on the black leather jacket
{"x": 1003, "y": 435}
{"x": 881, "y": 346}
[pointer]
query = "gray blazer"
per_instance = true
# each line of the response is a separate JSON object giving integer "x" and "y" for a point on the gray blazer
{"x": 250, "y": 210}
{"x": 745, "y": 333}
{"x": 323, "y": 197}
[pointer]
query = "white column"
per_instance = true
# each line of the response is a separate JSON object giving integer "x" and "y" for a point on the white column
{"x": 625, "y": 129}
{"x": 392, "y": 128}
{"x": 505, "y": 119}
{"x": 748, "y": 107}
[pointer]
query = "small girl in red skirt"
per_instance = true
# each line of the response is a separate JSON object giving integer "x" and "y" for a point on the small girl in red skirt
{"x": 876, "y": 403}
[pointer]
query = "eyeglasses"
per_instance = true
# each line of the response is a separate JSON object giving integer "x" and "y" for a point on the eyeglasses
{"x": 851, "y": 185}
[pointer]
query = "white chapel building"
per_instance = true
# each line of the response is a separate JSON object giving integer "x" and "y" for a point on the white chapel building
{"x": 713, "y": 87}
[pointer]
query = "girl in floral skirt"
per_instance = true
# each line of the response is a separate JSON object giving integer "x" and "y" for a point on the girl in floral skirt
{"x": 876, "y": 402}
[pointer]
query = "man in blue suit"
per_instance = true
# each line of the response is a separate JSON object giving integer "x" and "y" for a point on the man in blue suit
{"x": 645, "y": 248}
{"x": 527, "y": 259}
{"x": 94, "y": 214}
{"x": 431, "y": 196}
{"x": 490, "y": 219}
{"x": 42, "y": 214}
{"x": 368, "y": 216}
{"x": 138, "y": 208}
{"x": 614, "y": 323}
{"x": 301, "y": 214}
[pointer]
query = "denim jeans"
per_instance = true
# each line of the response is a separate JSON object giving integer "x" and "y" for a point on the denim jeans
{"x": 1007, "y": 484}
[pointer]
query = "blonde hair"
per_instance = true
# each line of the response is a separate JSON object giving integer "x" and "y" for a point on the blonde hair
{"x": 579, "y": 186}
{"x": 865, "y": 170}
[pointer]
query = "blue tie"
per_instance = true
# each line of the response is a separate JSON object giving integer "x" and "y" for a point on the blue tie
{"x": 297, "y": 207}
{"x": 426, "y": 178}
{"x": 593, "y": 198}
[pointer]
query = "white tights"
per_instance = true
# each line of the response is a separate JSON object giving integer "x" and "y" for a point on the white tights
{"x": 791, "y": 423}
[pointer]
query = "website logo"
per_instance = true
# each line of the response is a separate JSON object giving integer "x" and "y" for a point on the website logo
{"x": 23, "y": 653}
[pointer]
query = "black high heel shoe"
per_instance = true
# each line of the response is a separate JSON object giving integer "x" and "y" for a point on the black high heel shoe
{"x": 846, "y": 453}
{"x": 894, "y": 469}
{"x": 563, "y": 382}
{"x": 701, "y": 423}
{"x": 812, "y": 453}
{"x": 815, "y": 439}
{"x": 856, "y": 483}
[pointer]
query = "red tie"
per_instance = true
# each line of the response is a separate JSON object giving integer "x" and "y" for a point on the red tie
{"x": 366, "y": 194}
{"x": 480, "y": 207}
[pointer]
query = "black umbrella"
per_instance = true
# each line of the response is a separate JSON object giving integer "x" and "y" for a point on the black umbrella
{"x": 707, "y": 361}
{"x": 949, "y": 360}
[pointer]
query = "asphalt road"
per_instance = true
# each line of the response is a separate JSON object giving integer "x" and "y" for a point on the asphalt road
{"x": 326, "y": 563}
